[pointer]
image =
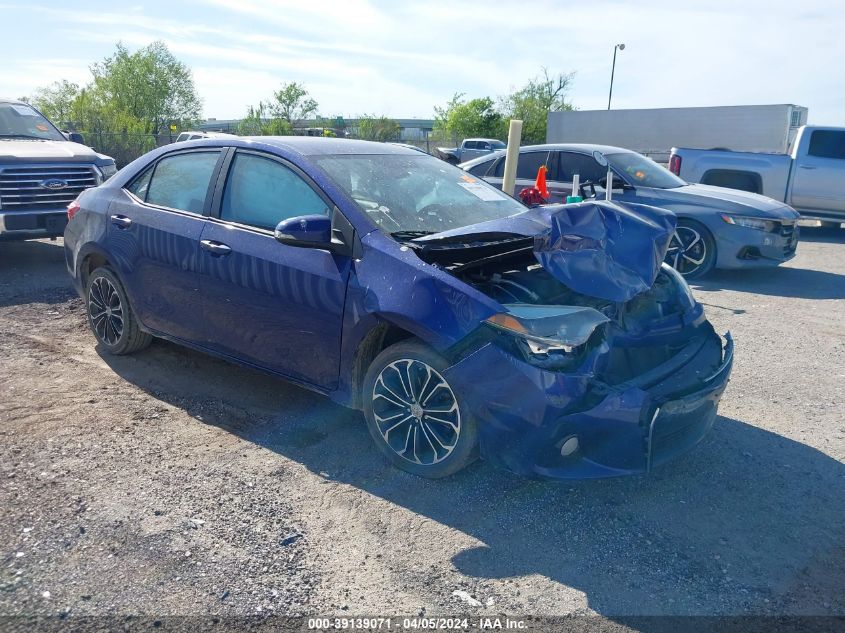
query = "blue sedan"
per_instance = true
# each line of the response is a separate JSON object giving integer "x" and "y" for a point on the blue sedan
{"x": 551, "y": 341}
{"x": 717, "y": 227}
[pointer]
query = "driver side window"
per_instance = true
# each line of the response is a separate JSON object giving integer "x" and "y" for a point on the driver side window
{"x": 261, "y": 192}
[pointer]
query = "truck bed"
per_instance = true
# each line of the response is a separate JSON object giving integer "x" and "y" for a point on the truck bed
{"x": 763, "y": 173}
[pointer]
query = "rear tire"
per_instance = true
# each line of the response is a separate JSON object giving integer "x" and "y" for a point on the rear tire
{"x": 692, "y": 250}
{"x": 110, "y": 316}
{"x": 413, "y": 414}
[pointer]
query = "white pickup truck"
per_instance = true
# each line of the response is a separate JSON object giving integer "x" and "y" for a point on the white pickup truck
{"x": 811, "y": 178}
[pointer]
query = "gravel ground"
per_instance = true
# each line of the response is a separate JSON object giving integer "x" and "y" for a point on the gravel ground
{"x": 172, "y": 483}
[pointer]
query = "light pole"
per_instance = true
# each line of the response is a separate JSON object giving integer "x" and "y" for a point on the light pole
{"x": 620, "y": 47}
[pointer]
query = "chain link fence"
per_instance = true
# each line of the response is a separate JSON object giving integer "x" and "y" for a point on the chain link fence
{"x": 123, "y": 147}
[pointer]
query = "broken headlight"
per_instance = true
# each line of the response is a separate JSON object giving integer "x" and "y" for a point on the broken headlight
{"x": 548, "y": 336}
{"x": 684, "y": 291}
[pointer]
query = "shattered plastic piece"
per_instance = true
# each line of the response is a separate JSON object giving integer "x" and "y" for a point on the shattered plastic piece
{"x": 603, "y": 249}
{"x": 463, "y": 595}
{"x": 290, "y": 539}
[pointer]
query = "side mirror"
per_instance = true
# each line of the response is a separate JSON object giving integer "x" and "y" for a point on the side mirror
{"x": 313, "y": 231}
{"x": 76, "y": 137}
{"x": 618, "y": 184}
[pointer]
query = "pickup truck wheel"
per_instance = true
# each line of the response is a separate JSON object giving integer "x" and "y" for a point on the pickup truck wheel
{"x": 692, "y": 251}
{"x": 110, "y": 317}
{"x": 414, "y": 415}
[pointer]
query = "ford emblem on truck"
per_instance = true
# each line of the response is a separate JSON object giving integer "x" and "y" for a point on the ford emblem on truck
{"x": 54, "y": 183}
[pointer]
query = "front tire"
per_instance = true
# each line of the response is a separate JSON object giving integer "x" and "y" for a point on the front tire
{"x": 692, "y": 250}
{"x": 110, "y": 316}
{"x": 414, "y": 415}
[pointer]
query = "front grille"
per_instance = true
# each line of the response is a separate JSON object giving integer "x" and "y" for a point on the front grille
{"x": 22, "y": 188}
{"x": 789, "y": 231}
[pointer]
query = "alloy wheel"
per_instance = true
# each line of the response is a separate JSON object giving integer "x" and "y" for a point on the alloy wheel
{"x": 105, "y": 311}
{"x": 687, "y": 250}
{"x": 416, "y": 411}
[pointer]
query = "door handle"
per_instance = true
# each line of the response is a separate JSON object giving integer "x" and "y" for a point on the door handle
{"x": 805, "y": 167}
{"x": 215, "y": 248}
{"x": 121, "y": 221}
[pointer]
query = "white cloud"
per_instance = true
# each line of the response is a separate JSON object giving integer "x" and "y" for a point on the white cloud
{"x": 402, "y": 59}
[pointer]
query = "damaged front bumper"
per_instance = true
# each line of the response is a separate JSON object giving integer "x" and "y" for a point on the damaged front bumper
{"x": 526, "y": 414}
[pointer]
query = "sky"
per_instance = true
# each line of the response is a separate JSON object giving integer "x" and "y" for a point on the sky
{"x": 401, "y": 59}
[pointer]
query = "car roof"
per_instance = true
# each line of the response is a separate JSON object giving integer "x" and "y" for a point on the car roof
{"x": 311, "y": 145}
{"x": 14, "y": 101}
{"x": 582, "y": 148}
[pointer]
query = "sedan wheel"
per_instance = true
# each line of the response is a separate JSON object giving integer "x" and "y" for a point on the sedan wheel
{"x": 110, "y": 315}
{"x": 105, "y": 311}
{"x": 691, "y": 251}
{"x": 414, "y": 414}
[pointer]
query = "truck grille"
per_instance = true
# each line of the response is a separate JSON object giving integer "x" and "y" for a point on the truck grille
{"x": 24, "y": 188}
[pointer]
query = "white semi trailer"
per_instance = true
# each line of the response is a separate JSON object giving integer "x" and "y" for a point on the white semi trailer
{"x": 654, "y": 132}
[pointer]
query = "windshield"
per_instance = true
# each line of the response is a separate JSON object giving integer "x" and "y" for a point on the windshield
{"x": 18, "y": 120}
{"x": 417, "y": 194}
{"x": 498, "y": 145}
{"x": 643, "y": 172}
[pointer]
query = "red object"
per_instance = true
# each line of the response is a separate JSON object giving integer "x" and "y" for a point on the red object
{"x": 530, "y": 197}
{"x": 72, "y": 208}
{"x": 675, "y": 164}
{"x": 540, "y": 183}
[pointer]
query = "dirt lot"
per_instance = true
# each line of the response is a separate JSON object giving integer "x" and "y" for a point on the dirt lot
{"x": 173, "y": 483}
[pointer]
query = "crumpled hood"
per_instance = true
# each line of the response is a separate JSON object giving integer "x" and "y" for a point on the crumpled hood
{"x": 606, "y": 250}
{"x": 601, "y": 249}
{"x": 720, "y": 198}
{"x": 12, "y": 151}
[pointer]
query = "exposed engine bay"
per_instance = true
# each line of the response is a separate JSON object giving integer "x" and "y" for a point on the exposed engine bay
{"x": 506, "y": 270}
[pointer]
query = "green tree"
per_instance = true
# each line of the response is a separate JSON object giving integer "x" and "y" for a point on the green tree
{"x": 150, "y": 84}
{"x": 462, "y": 119}
{"x": 109, "y": 129}
{"x": 373, "y": 128}
{"x": 131, "y": 98}
{"x": 291, "y": 103}
{"x": 533, "y": 102}
{"x": 257, "y": 122}
{"x": 56, "y": 100}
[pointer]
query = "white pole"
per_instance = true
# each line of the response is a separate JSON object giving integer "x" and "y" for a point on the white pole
{"x": 576, "y": 182}
{"x": 608, "y": 193}
{"x": 512, "y": 156}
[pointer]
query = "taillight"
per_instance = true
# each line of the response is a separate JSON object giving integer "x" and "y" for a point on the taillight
{"x": 675, "y": 164}
{"x": 72, "y": 208}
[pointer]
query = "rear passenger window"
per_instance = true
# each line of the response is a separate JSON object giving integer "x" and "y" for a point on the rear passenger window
{"x": 181, "y": 181}
{"x": 141, "y": 184}
{"x": 470, "y": 145}
{"x": 480, "y": 169}
{"x": 261, "y": 192}
{"x": 827, "y": 144}
{"x": 529, "y": 164}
